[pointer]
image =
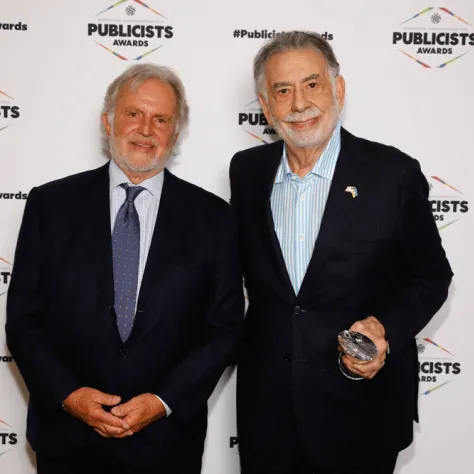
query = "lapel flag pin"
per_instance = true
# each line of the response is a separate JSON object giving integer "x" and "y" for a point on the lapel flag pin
{"x": 352, "y": 190}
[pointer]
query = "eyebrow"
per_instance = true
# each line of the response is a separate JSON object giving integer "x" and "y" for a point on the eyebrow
{"x": 277, "y": 85}
{"x": 138, "y": 109}
{"x": 310, "y": 77}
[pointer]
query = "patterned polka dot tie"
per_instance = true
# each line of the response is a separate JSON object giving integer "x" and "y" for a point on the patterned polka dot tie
{"x": 126, "y": 256}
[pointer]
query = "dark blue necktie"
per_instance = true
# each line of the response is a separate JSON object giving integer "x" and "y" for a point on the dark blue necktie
{"x": 126, "y": 257}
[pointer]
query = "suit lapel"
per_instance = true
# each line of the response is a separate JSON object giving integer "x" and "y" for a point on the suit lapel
{"x": 94, "y": 215}
{"x": 162, "y": 254}
{"x": 94, "y": 220}
{"x": 268, "y": 173}
{"x": 341, "y": 209}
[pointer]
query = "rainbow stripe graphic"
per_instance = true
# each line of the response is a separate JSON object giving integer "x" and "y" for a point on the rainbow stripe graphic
{"x": 3, "y": 260}
{"x": 257, "y": 137}
{"x": 121, "y": 2}
{"x": 449, "y": 12}
{"x": 149, "y": 8}
{"x": 431, "y": 390}
{"x": 437, "y": 345}
{"x": 414, "y": 59}
{"x": 5, "y": 94}
{"x": 5, "y": 423}
{"x": 252, "y": 102}
{"x": 451, "y": 61}
{"x": 3, "y": 128}
{"x": 448, "y": 224}
{"x": 446, "y": 184}
{"x": 123, "y": 58}
{"x": 146, "y": 54}
{"x": 441, "y": 66}
{"x": 426, "y": 10}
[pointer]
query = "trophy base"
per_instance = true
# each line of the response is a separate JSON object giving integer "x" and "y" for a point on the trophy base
{"x": 347, "y": 373}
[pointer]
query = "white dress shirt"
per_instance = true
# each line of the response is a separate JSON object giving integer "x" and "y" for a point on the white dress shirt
{"x": 147, "y": 204}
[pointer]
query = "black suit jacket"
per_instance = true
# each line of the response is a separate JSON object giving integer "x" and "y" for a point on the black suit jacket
{"x": 61, "y": 326}
{"x": 377, "y": 254}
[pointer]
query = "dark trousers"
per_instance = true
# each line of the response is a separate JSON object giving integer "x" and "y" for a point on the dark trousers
{"x": 382, "y": 465}
{"x": 281, "y": 450}
{"x": 56, "y": 466}
{"x": 284, "y": 454}
{"x": 298, "y": 464}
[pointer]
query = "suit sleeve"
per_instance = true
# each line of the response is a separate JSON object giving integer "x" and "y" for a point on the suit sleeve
{"x": 233, "y": 178}
{"x": 188, "y": 387}
{"x": 47, "y": 377}
{"x": 427, "y": 270}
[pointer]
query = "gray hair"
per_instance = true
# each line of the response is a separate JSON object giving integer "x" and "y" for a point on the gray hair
{"x": 287, "y": 41}
{"x": 135, "y": 76}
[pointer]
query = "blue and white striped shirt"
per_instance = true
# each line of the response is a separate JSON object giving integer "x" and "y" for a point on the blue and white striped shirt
{"x": 298, "y": 206}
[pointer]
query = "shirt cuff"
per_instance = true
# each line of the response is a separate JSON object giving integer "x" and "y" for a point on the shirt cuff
{"x": 167, "y": 408}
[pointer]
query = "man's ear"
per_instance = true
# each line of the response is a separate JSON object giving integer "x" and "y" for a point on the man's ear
{"x": 340, "y": 91}
{"x": 175, "y": 139}
{"x": 105, "y": 122}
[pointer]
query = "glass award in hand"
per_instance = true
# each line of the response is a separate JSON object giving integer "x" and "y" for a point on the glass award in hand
{"x": 358, "y": 346}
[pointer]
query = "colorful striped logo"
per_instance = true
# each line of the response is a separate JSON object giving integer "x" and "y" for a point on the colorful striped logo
{"x": 437, "y": 366}
{"x": 448, "y": 203}
{"x": 130, "y": 33}
{"x": 5, "y": 272}
{"x": 431, "y": 35}
{"x": 8, "y": 438}
{"x": 9, "y": 110}
{"x": 253, "y": 122}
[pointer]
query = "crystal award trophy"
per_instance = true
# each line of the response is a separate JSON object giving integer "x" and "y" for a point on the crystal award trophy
{"x": 356, "y": 345}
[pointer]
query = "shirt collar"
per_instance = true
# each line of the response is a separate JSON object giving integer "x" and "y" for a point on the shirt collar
{"x": 323, "y": 167}
{"x": 154, "y": 185}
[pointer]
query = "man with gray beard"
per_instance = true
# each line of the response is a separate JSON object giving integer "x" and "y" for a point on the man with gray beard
{"x": 336, "y": 233}
{"x": 126, "y": 302}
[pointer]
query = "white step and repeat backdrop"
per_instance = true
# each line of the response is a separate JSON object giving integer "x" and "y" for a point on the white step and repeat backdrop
{"x": 409, "y": 69}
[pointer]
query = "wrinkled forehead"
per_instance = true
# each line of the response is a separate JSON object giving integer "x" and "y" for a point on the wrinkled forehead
{"x": 152, "y": 91}
{"x": 295, "y": 65}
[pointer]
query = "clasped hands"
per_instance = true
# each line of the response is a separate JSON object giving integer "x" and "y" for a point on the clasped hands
{"x": 87, "y": 404}
{"x": 373, "y": 328}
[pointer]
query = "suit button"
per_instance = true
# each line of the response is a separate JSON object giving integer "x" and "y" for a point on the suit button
{"x": 288, "y": 357}
{"x": 121, "y": 353}
{"x": 297, "y": 309}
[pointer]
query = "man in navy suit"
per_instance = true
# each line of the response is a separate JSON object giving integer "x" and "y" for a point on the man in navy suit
{"x": 125, "y": 303}
{"x": 336, "y": 233}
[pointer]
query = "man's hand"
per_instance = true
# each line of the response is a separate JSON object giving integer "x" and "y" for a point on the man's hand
{"x": 139, "y": 412}
{"x": 87, "y": 405}
{"x": 373, "y": 328}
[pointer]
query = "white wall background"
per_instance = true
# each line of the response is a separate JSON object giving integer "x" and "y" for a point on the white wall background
{"x": 56, "y": 74}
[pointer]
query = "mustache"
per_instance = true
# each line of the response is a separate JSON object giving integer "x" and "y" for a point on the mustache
{"x": 144, "y": 141}
{"x": 308, "y": 114}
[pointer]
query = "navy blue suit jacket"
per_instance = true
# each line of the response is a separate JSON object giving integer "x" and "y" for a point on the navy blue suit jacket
{"x": 377, "y": 254}
{"x": 61, "y": 326}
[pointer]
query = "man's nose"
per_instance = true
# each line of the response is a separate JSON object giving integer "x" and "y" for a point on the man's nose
{"x": 146, "y": 125}
{"x": 300, "y": 103}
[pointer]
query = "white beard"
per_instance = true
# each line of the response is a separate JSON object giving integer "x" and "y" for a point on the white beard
{"x": 312, "y": 138}
{"x": 124, "y": 162}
